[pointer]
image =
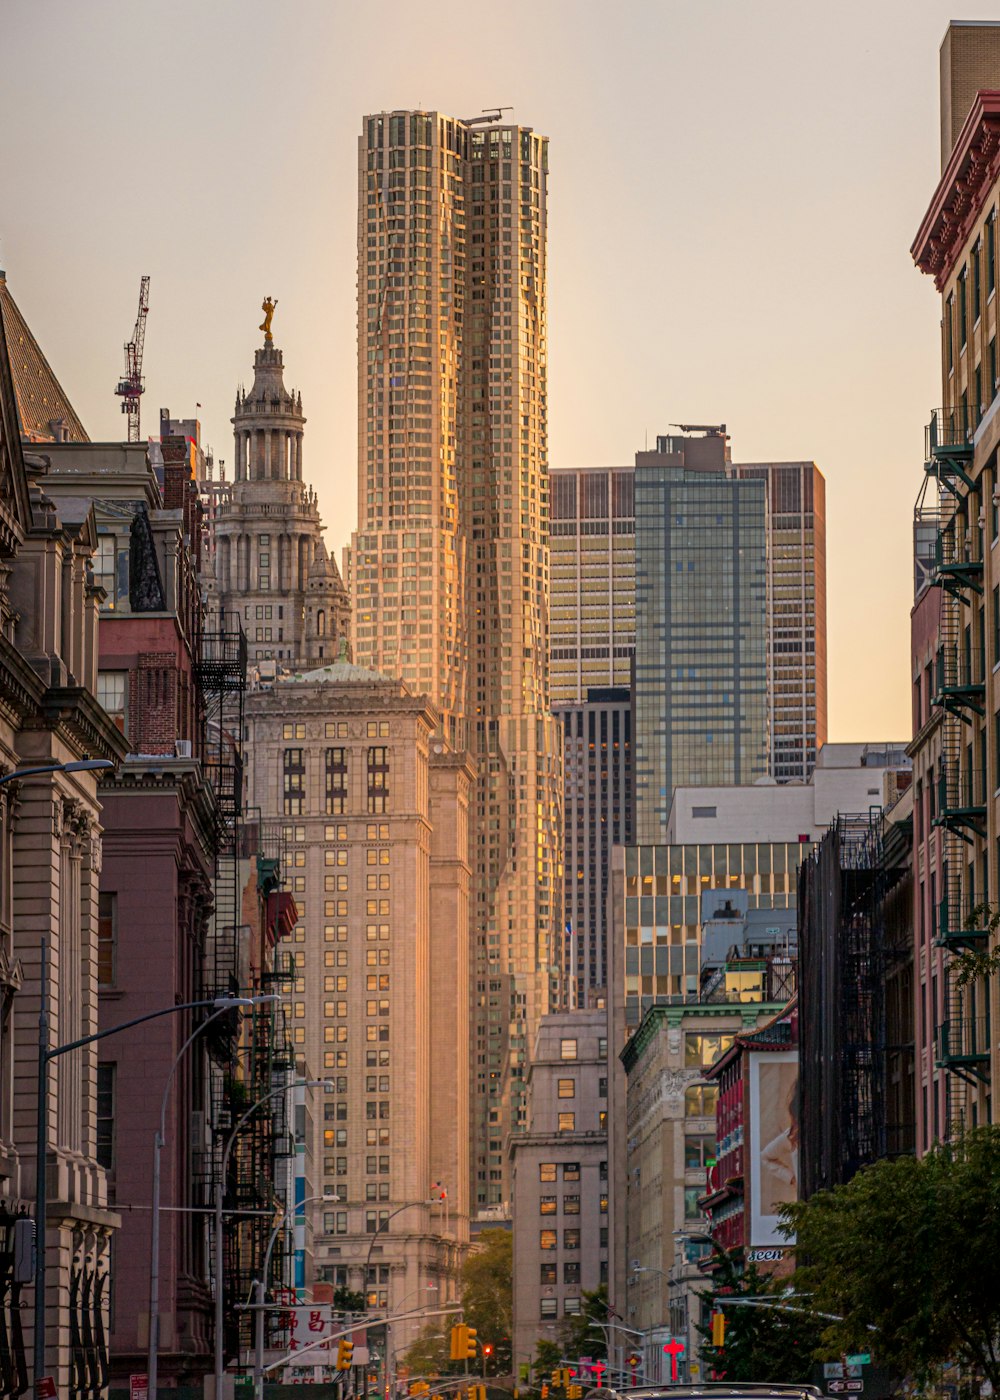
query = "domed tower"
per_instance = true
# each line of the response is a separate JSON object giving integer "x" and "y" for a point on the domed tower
{"x": 269, "y": 533}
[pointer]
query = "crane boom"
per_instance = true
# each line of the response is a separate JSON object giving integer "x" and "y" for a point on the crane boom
{"x": 131, "y": 385}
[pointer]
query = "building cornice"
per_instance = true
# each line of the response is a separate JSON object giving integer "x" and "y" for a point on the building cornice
{"x": 73, "y": 712}
{"x": 675, "y": 1016}
{"x": 958, "y": 200}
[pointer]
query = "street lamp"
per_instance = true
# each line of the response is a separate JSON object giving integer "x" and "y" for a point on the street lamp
{"x": 222, "y": 1006}
{"x": 46, "y": 1054}
{"x": 383, "y": 1225}
{"x": 80, "y": 765}
{"x": 219, "y": 1196}
{"x": 261, "y": 1292}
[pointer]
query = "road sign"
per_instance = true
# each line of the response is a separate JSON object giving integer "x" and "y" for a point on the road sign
{"x": 138, "y": 1386}
{"x": 840, "y": 1387}
{"x": 862, "y": 1358}
{"x": 839, "y": 1370}
{"x": 45, "y": 1388}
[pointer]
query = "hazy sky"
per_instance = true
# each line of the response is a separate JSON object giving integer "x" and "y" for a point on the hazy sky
{"x": 734, "y": 189}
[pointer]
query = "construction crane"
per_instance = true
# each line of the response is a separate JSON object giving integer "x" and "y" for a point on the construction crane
{"x": 130, "y": 386}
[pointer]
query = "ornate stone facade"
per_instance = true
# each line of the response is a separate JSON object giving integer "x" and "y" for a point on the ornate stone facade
{"x": 270, "y": 563}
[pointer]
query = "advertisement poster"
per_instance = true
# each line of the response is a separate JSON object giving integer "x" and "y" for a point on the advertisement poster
{"x": 773, "y": 1143}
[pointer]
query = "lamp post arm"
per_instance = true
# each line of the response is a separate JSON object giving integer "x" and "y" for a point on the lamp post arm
{"x": 58, "y": 1050}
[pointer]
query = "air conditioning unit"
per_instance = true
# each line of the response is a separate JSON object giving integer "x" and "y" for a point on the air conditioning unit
{"x": 182, "y": 748}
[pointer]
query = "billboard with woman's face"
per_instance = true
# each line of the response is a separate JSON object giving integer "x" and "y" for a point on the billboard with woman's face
{"x": 773, "y": 1146}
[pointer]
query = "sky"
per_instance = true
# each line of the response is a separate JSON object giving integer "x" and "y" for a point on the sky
{"x": 734, "y": 188}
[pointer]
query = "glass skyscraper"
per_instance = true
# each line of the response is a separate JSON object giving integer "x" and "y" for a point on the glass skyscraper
{"x": 701, "y": 660}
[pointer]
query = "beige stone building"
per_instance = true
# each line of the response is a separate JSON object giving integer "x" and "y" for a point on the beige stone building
{"x": 375, "y": 810}
{"x": 450, "y": 562}
{"x": 669, "y": 1139}
{"x": 50, "y": 859}
{"x": 559, "y": 1179}
{"x": 270, "y": 564}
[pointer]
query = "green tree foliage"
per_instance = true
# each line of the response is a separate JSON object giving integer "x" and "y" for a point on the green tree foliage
{"x": 548, "y": 1356}
{"x": 487, "y": 1289}
{"x": 581, "y": 1335}
{"x": 344, "y": 1300}
{"x": 763, "y": 1343}
{"x": 429, "y": 1354}
{"x": 907, "y": 1254}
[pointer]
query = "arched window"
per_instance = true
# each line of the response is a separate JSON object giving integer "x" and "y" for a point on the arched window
{"x": 321, "y": 623}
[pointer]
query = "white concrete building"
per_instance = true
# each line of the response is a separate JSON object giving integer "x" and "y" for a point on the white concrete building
{"x": 847, "y": 778}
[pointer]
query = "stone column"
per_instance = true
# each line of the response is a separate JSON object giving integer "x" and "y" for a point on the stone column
{"x": 298, "y": 456}
{"x": 267, "y": 455}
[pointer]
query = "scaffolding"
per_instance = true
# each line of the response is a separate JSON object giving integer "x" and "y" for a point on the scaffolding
{"x": 950, "y": 513}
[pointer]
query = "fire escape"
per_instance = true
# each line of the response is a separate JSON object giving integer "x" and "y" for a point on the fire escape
{"x": 959, "y": 802}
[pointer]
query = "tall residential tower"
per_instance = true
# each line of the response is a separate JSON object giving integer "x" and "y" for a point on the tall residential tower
{"x": 450, "y": 560}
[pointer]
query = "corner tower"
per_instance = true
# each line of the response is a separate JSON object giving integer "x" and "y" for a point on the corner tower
{"x": 271, "y": 564}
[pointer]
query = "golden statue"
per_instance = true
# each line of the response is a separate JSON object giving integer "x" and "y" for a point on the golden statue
{"x": 267, "y": 306}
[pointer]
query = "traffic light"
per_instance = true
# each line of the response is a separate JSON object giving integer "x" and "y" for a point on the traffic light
{"x": 557, "y": 1377}
{"x": 459, "y": 1342}
{"x": 545, "y": 1392}
{"x": 574, "y": 1392}
{"x": 477, "y": 1392}
{"x": 718, "y": 1329}
{"x": 419, "y": 1388}
{"x": 345, "y": 1354}
{"x": 470, "y": 1352}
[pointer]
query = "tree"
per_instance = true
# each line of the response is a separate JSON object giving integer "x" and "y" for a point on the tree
{"x": 428, "y": 1355}
{"x": 548, "y": 1356}
{"x": 762, "y": 1343}
{"x": 581, "y": 1333}
{"x": 488, "y": 1294}
{"x": 907, "y": 1256}
{"x": 344, "y": 1300}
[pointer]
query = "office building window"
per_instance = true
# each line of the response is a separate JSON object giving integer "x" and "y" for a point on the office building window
{"x": 336, "y": 782}
{"x": 692, "y": 1195}
{"x": 549, "y": 1307}
{"x": 571, "y": 1205}
{"x": 702, "y": 1049}
{"x": 547, "y": 1273}
{"x": 546, "y": 1171}
{"x": 699, "y": 1101}
{"x": 567, "y": 1049}
{"x": 294, "y": 782}
{"x": 571, "y": 1171}
{"x": 112, "y": 695}
{"x": 547, "y": 1205}
{"x": 699, "y": 1151}
{"x": 571, "y": 1273}
{"x": 567, "y": 1122}
{"x": 571, "y": 1239}
{"x": 567, "y": 1088}
{"x": 106, "y": 1115}
{"x": 571, "y": 1306}
{"x": 378, "y": 778}
{"x": 546, "y": 1239}
{"x": 107, "y": 937}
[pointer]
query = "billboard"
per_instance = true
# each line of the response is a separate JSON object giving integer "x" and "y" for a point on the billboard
{"x": 773, "y": 1147}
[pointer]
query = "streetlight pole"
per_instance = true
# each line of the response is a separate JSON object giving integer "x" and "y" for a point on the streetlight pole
{"x": 261, "y": 1293}
{"x": 222, "y": 1006}
{"x": 46, "y": 1054}
{"x": 219, "y": 1197}
{"x": 383, "y": 1225}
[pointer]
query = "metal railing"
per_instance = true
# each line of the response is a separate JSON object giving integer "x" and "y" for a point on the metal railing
{"x": 967, "y": 1038}
{"x": 950, "y": 428}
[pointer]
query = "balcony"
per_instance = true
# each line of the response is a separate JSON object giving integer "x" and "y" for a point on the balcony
{"x": 956, "y": 567}
{"x": 964, "y": 1044}
{"x": 961, "y": 801}
{"x": 948, "y": 446}
{"x": 960, "y": 679}
{"x": 958, "y": 927}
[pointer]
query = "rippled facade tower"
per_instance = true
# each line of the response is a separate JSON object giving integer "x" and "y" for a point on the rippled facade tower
{"x": 450, "y": 560}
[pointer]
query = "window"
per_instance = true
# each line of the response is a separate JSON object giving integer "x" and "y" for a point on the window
{"x": 567, "y": 1088}
{"x": 571, "y": 1273}
{"x": 571, "y": 1171}
{"x": 602, "y": 1088}
{"x": 699, "y": 1100}
{"x": 547, "y": 1274}
{"x": 111, "y": 569}
{"x": 708, "y": 812}
{"x": 546, "y": 1239}
{"x": 699, "y": 1151}
{"x": 336, "y": 782}
{"x": 106, "y": 1115}
{"x": 546, "y": 1171}
{"x": 567, "y": 1122}
{"x": 571, "y": 1205}
{"x": 571, "y": 1239}
{"x": 112, "y": 696}
{"x": 547, "y": 1205}
{"x": 963, "y": 306}
{"x": 692, "y": 1194}
{"x": 107, "y": 937}
{"x": 294, "y": 778}
{"x": 571, "y": 1306}
{"x": 548, "y": 1308}
{"x": 991, "y": 253}
{"x": 702, "y": 1049}
{"x": 378, "y": 778}
{"x": 602, "y": 1047}
{"x": 567, "y": 1049}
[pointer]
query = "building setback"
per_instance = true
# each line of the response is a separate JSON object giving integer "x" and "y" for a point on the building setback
{"x": 375, "y": 811}
{"x": 559, "y": 1178}
{"x": 450, "y": 562}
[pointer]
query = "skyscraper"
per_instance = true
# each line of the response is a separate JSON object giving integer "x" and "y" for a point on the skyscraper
{"x": 701, "y": 665}
{"x": 450, "y": 560}
{"x": 592, "y": 543}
